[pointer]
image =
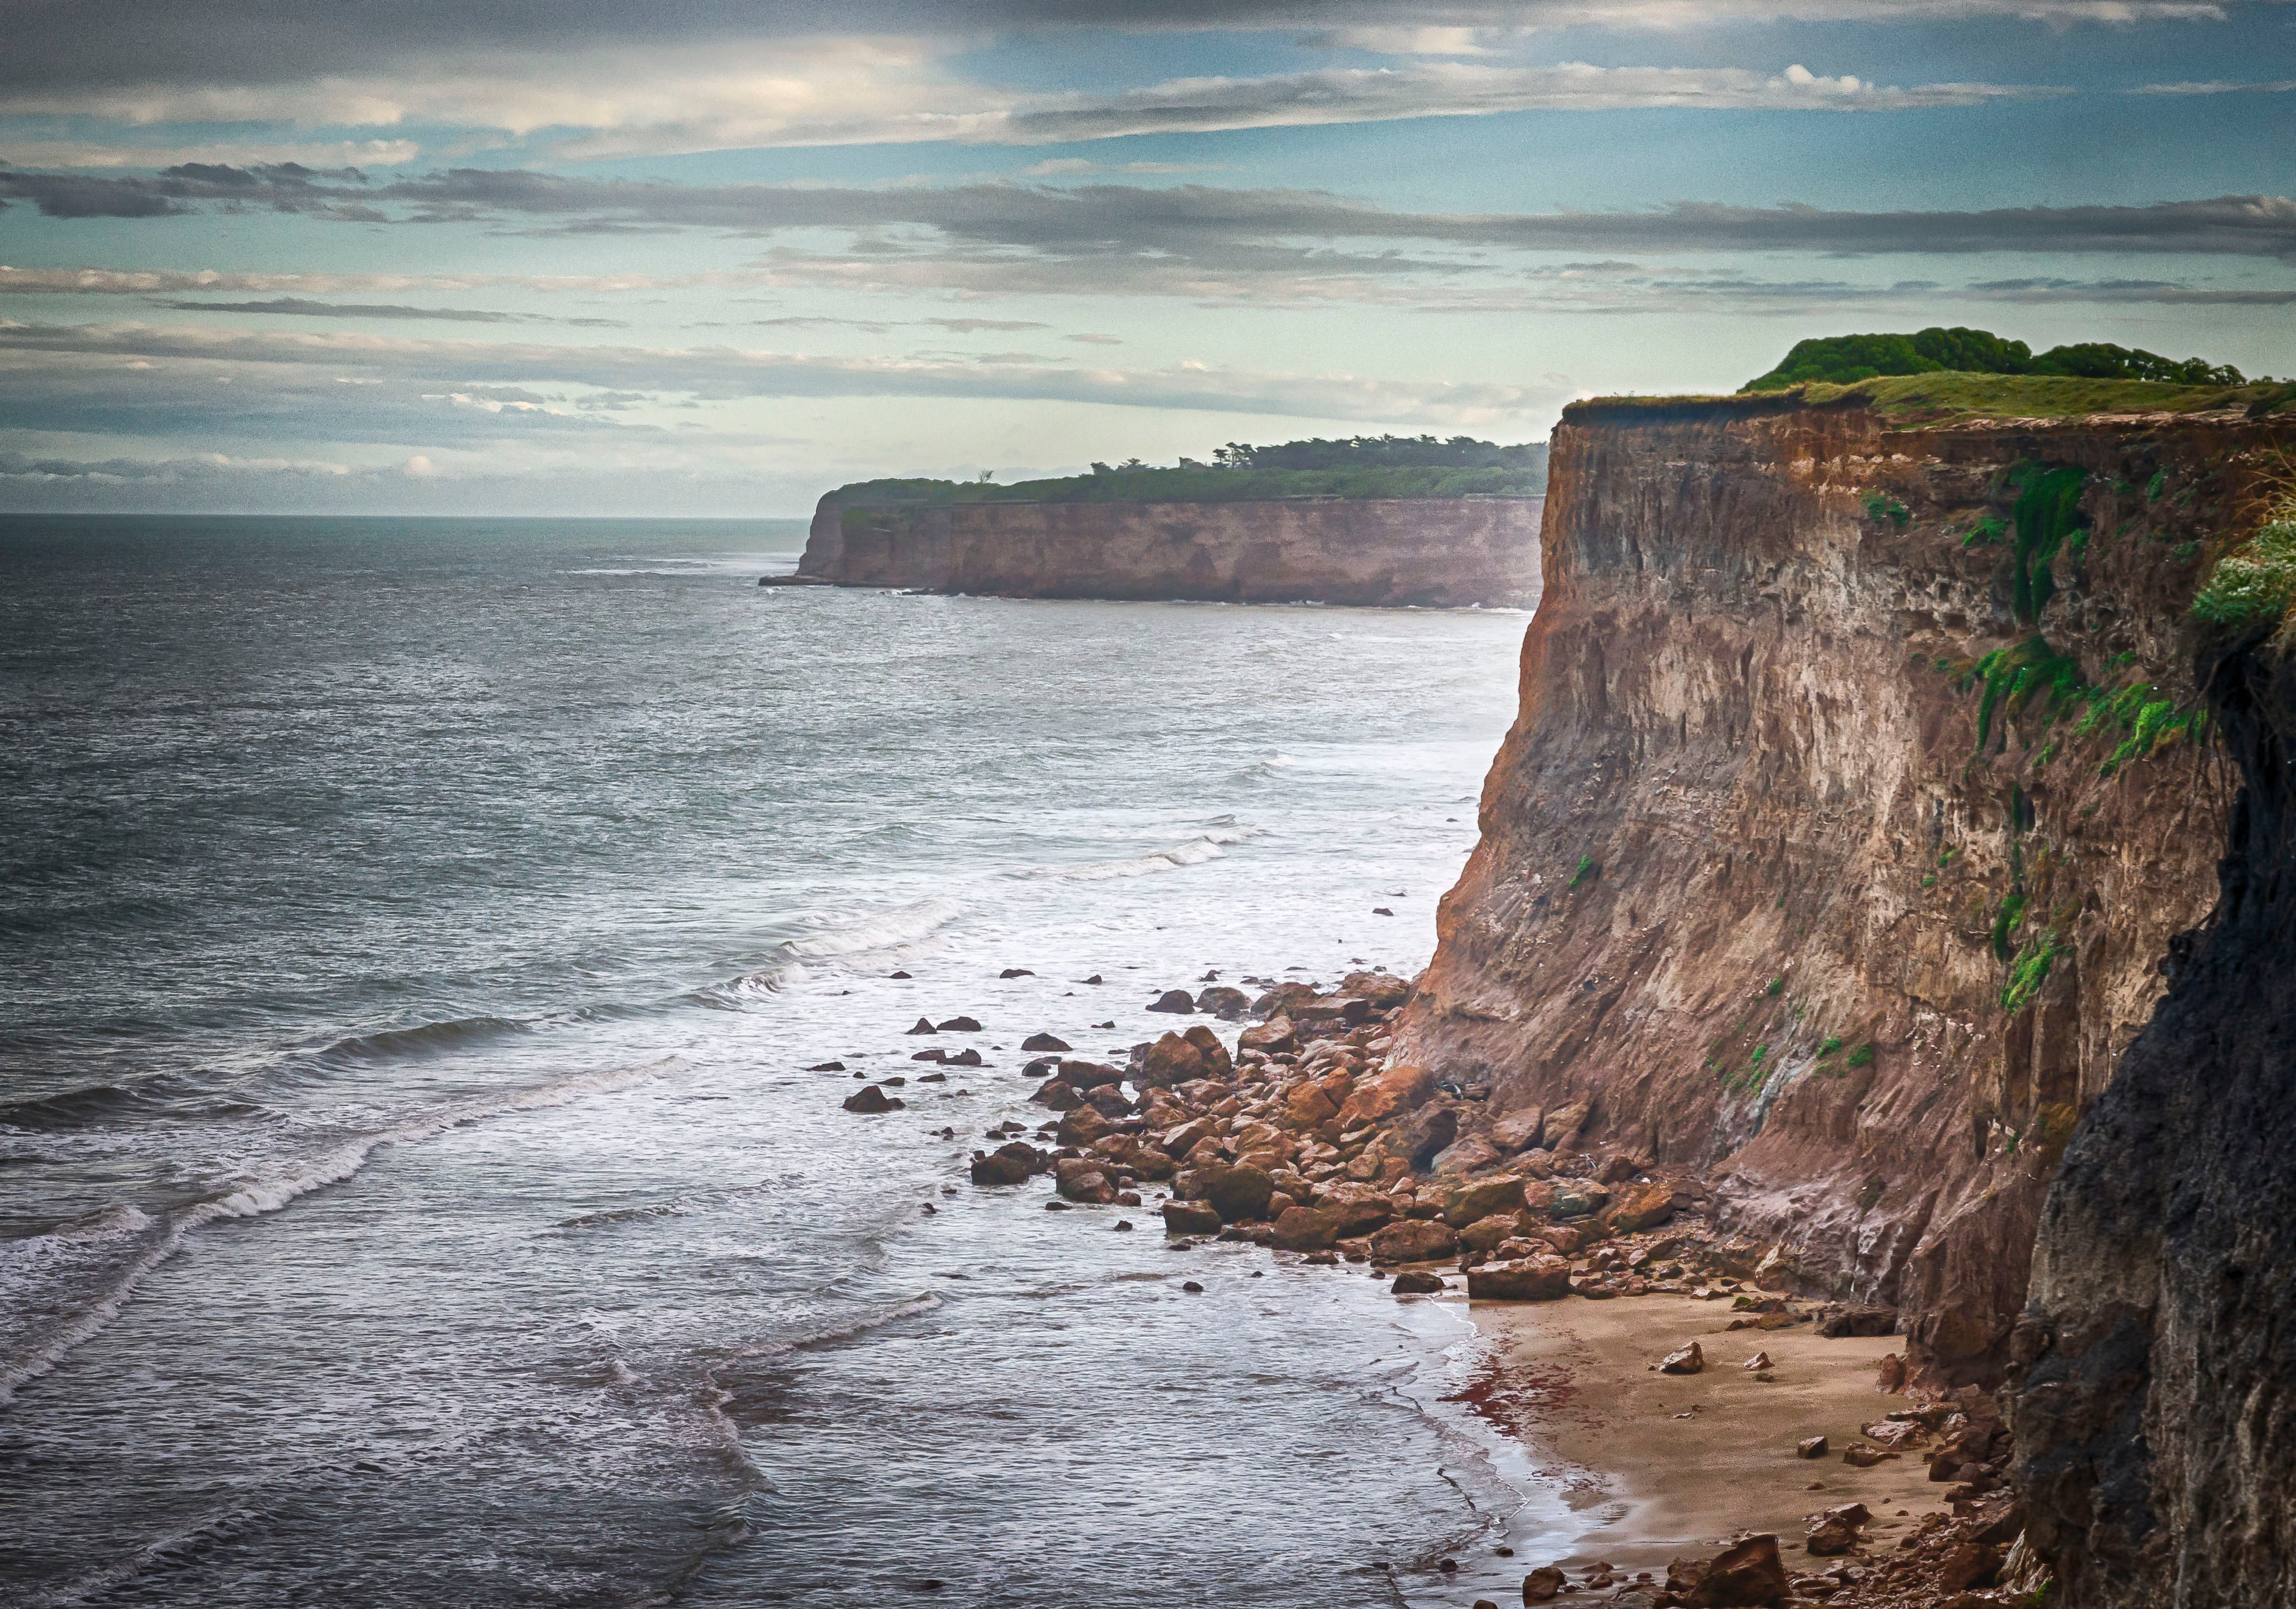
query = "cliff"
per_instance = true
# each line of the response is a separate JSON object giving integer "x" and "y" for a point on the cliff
{"x": 1431, "y": 552}
{"x": 2155, "y": 1407}
{"x": 1860, "y": 785}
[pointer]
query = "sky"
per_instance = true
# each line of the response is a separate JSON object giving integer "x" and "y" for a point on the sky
{"x": 700, "y": 257}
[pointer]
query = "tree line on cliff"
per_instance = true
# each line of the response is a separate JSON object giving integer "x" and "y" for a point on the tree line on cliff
{"x": 1846, "y": 359}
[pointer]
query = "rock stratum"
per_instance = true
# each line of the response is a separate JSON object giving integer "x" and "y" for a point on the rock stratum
{"x": 1863, "y": 782}
{"x": 1433, "y": 553}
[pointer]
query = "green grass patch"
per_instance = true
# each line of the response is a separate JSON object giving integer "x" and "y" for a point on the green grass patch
{"x": 2255, "y": 584}
{"x": 1882, "y": 506}
{"x": 1986, "y": 532}
{"x": 1586, "y": 869}
{"x": 2029, "y": 969}
{"x": 1862, "y": 1056}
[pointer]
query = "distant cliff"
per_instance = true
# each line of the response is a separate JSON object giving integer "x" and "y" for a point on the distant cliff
{"x": 1431, "y": 552}
{"x": 1861, "y": 782}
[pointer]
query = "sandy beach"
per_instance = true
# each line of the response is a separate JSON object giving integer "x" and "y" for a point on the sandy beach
{"x": 1662, "y": 1466}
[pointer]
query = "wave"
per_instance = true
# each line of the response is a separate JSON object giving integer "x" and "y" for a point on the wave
{"x": 163, "y": 1238}
{"x": 93, "y": 1104}
{"x": 839, "y": 938}
{"x": 167, "y": 1553}
{"x": 448, "y": 1033}
{"x": 1208, "y": 845}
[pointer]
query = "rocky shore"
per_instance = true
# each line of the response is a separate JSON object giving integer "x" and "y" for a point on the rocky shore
{"x": 1293, "y": 1126}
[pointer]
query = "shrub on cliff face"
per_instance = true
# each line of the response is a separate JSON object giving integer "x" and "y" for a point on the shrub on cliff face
{"x": 2256, "y": 584}
{"x": 1845, "y": 359}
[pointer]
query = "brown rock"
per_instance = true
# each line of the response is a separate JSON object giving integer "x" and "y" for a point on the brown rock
{"x": 1749, "y": 1576}
{"x": 1562, "y": 1125}
{"x": 1486, "y": 1233}
{"x": 1089, "y": 1185}
{"x": 1356, "y": 1209}
{"x": 957, "y": 1025}
{"x": 1830, "y": 1538}
{"x": 1082, "y": 1125}
{"x": 1464, "y": 1157}
{"x": 1542, "y": 1584}
{"x": 1279, "y": 1001}
{"x": 1381, "y": 990}
{"x": 1414, "y": 1240}
{"x": 1859, "y": 1321}
{"x": 1044, "y": 1041}
{"x": 872, "y": 1097}
{"x": 1889, "y": 1376}
{"x": 1644, "y": 1206}
{"x": 1759, "y": 1360}
{"x": 1217, "y": 1063}
{"x": 1228, "y": 1005}
{"x": 1238, "y": 1192}
{"x": 1271, "y": 1037}
{"x": 1180, "y": 1141}
{"x": 1418, "y": 1137}
{"x": 1308, "y": 1106}
{"x": 925, "y": 1025}
{"x": 1190, "y": 1217}
{"x": 1683, "y": 1360}
{"x": 1305, "y": 1229}
{"x": 1171, "y": 1060}
{"x": 1417, "y": 1282}
{"x": 1388, "y": 1095}
{"x": 1533, "y": 1279}
{"x": 1810, "y": 1447}
{"x": 1108, "y": 1100}
{"x": 1464, "y": 1204}
{"x": 1090, "y": 1075}
{"x": 1517, "y": 1129}
{"x": 1174, "y": 1000}
{"x": 1971, "y": 1565}
{"x": 1007, "y": 1165}
{"x": 1859, "y": 1456}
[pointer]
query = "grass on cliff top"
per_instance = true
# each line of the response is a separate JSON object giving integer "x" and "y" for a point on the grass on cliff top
{"x": 1210, "y": 486}
{"x": 1942, "y": 397}
{"x": 1952, "y": 397}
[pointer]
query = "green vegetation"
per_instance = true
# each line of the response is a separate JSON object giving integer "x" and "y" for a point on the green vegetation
{"x": 1882, "y": 505}
{"x": 2152, "y": 487}
{"x": 2254, "y": 584}
{"x": 2047, "y": 512}
{"x": 1862, "y": 1056}
{"x": 1924, "y": 399}
{"x": 2029, "y": 969}
{"x": 1360, "y": 467}
{"x": 1828, "y": 1048}
{"x": 1869, "y": 1194}
{"x": 1776, "y": 985}
{"x": 2004, "y": 925}
{"x": 1986, "y": 532}
{"x": 2013, "y": 678}
{"x": 1846, "y": 359}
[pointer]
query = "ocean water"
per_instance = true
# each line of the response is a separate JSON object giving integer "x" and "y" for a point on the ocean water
{"x": 413, "y": 938}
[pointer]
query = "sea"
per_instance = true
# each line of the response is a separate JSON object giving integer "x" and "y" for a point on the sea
{"x": 418, "y": 938}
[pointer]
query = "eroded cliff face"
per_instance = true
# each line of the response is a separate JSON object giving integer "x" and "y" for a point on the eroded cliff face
{"x": 1433, "y": 553}
{"x": 1853, "y": 804}
{"x": 2155, "y": 1371}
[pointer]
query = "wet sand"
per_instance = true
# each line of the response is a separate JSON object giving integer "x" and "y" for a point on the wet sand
{"x": 1662, "y": 1466}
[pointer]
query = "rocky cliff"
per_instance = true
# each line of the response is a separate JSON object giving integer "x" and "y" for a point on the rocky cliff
{"x": 2156, "y": 1368}
{"x": 1433, "y": 552}
{"x": 1859, "y": 787}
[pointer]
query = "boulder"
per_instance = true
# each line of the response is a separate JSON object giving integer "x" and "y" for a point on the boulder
{"x": 1417, "y": 1282}
{"x": 1044, "y": 1041}
{"x": 1228, "y": 1005}
{"x": 1278, "y": 1001}
{"x": 1086, "y": 1185}
{"x": 1237, "y": 1191}
{"x": 1810, "y": 1447}
{"x": 1414, "y": 1240}
{"x": 1465, "y": 1203}
{"x": 967, "y": 1057}
{"x": 1830, "y": 1538}
{"x": 1108, "y": 1100}
{"x": 957, "y": 1025}
{"x": 1308, "y": 1107}
{"x": 872, "y": 1097}
{"x": 1081, "y": 1125}
{"x": 1464, "y": 1157}
{"x": 1858, "y": 1456}
{"x": 1530, "y": 1279}
{"x": 1858, "y": 1321}
{"x": 1683, "y": 1360}
{"x": 1058, "y": 1093}
{"x": 1330, "y": 1013}
{"x": 1486, "y": 1234}
{"x": 1516, "y": 1130}
{"x": 925, "y": 1025}
{"x": 1176, "y": 1001}
{"x": 1580, "y": 1198}
{"x": 1543, "y": 1584}
{"x": 1356, "y": 1209}
{"x": 1010, "y": 1164}
{"x": 1749, "y": 1576}
{"x": 1890, "y": 1375}
{"x": 1218, "y": 1064}
{"x": 1388, "y": 1095}
{"x": 1644, "y": 1206}
{"x": 1271, "y": 1037}
{"x": 1305, "y": 1229}
{"x": 1178, "y": 1142}
{"x": 1562, "y": 1125}
{"x": 1418, "y": 1138}
{"x": 1381, "y": 990}
{"x": 1190, "y": 1217}
{"x": 1089, "y": 1075}
{"x": 1171, "y": 1060}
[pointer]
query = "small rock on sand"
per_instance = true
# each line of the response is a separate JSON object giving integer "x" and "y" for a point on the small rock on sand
{"x": 1417, "y": 1282}
{"x": 1759, "y": 1360}
{"x": 1810, "y": 1447}
{"x": 1686, "y": 1360}
{"x": 1542, "y": 1584}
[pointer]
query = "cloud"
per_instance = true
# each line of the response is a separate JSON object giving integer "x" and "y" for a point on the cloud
{"x": 302, "y": 308}
{"x": 1094, "y": 338}
{"x": 326, "y": 154}
{"x": 2216, "y": 87}
{"x": 1077, "y": 166}
{"x": 37, "y": 362}
{"x": 1389, "y": 41}
{"x": 142, "y": 281}
{"x": 2166, "y": 291}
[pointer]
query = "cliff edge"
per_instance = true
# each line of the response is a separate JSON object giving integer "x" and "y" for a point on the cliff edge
{"x": 1435, "y": 553}
{"x": 1861, "y": 782}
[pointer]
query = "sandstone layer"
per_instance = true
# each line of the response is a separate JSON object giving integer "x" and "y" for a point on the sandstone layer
{"x": 1435, "y": 553}
{"x": 1855, "y": 796}
{"x": 2155, "y": 1411}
